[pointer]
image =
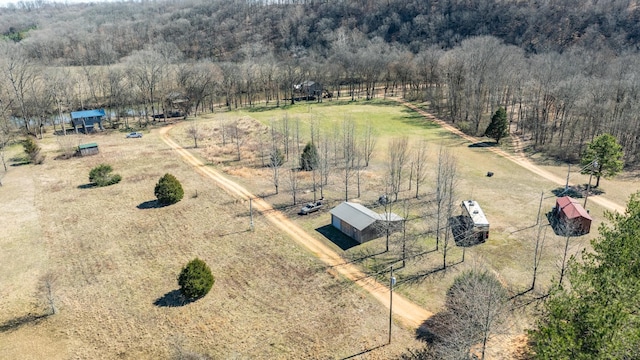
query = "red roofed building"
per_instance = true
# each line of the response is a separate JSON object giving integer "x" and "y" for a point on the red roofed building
{"x": 572, "y": 217}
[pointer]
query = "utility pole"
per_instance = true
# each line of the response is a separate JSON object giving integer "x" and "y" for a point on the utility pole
{"x": 251, "y": 214}
{"x": 593, "y": 164}
{"x": 540, "y": 206}
{"x": 392, "y": 281}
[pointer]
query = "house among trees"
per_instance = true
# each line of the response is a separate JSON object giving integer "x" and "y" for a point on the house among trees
{"x": 307, "y": 90}
{"x": 362, "y": 224}
{"x": 87, "y": 120}
{"x": 570, "y": 217}
{"x": 477, "y": 225}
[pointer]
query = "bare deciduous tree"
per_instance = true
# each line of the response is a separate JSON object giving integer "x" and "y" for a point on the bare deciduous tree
{"x": 324, "y": 163}
{"x": 276, "y": 159}
{"x": 194, "y": 132}
{"x": 6, "y": 134}
{"x": 147, "y": 69}
{"x": 285, "y": 131}
{"x": 315, "y": 158}
{"x": 21, "y": 75}
{"x": 293, "y": 182}
{"x": 445, "y": 184}
{"x": 420, "y": 164}
{"x": 476, "y": 308}
{"x": 348, "y": 153}
{"x": 369, "y": 141}
{"x": 238, "y": 137}
{"x": 398, "y": 151}
{"x": 197, "y": 81}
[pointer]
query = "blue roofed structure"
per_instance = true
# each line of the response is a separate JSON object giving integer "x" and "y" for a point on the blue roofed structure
{"x": 87, "y": 119}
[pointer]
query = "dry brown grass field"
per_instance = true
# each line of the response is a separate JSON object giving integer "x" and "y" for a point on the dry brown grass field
{"x": 113, "y": 259}
{"x": 112, "y": 256}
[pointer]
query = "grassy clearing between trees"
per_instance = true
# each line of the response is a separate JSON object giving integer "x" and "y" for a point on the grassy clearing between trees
{"x": 114, "y": 258}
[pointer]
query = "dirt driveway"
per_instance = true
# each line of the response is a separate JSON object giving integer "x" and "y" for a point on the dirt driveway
{"x": 519, "y": 158}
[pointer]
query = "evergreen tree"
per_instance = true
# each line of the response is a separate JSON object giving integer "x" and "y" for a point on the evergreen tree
{"x": 309, "y": 157}
{"x": 195, "y": 279}
{"x": 168, "y": 190}
{"x": 33, "y": 151}
{"x": 498, "y": 128}
{"x": 603, "y": 157}
{"x": 101, "y": 175}
{"x": 598, "y": 317}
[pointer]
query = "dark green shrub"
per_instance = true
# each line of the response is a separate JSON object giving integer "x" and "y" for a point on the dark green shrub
{"x": 101, "y": 176}
{"x": 309, "y": 157}
{"x": 33, "y": 151}
{"x": 168, "y": 190}
{"x": 195, "y": 279}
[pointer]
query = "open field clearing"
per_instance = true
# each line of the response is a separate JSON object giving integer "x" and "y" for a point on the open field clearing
{"x": 510, "y": 199}
{"x": 112, "y": 259}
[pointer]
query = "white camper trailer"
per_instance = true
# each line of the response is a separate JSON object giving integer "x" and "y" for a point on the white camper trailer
{"x": 478, "y": 223}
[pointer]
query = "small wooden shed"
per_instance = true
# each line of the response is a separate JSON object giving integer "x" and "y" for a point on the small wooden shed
{"x": 362, "y": 224}
{"x": 478, "y": 223}
{"x": 571, "y": 217}
{"x": 88, "y": 149}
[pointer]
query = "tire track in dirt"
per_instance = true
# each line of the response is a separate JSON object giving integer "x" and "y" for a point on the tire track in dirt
{"x": 407, "y": 313}
{"x": 519, "y": 158}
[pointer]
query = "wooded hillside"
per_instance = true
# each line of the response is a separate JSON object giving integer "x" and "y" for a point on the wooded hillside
{"x": 566, "y": 71}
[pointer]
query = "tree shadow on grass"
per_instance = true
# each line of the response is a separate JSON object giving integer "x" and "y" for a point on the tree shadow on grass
{"x": 577, "y": 191}
{"x": 21, "y": 163}
{"x": 435, "y": 328}
{"x": 337, "y": 237}
{"x": 151, "y": 204}
{"x": 483, "y": 144}
{"x": 173, "y": 298}
{"x": 418, "y": 278}
{"x": 364, "y": 352}
{"x": 87, "y": 186}
{"x": 18, "y": 322}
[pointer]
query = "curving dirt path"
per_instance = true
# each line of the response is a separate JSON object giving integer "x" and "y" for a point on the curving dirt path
{"x": 519, "y": 158}
{"x": 407, "y": 312}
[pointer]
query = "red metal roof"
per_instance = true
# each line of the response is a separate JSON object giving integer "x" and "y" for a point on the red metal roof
{"x": 571, "y": 208}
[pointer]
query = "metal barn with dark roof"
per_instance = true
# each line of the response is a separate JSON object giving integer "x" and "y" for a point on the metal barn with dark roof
{"x": 360, "y": 223}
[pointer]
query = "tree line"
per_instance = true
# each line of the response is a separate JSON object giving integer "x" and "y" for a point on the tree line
{"x": 559, "y": 101}
{"x": 103, "y": 33}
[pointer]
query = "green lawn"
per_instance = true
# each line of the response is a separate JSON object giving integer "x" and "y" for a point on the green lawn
{"x": 387, "y": 117}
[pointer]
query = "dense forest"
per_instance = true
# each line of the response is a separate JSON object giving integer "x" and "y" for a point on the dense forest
{"x": 566, "y": 71}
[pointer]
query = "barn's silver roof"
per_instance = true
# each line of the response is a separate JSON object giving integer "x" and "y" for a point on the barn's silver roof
{"x": 359, "y": 216}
